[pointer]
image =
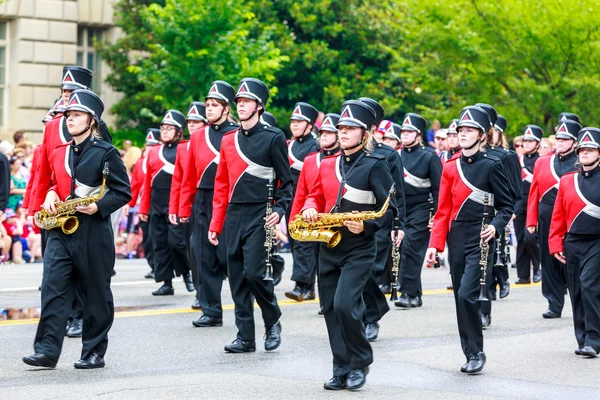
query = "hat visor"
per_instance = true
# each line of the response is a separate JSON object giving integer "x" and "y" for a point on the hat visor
{"x": 409, "y": 128}
{"x": 328, "y": 130}
{"x": 217, "y": 96}
{"x": 196, "y": 118}
{"x": 79, "y": 107}
{"x": 350, "y": 122}
{"x": 300, "y": 118}
{"x": 152, "y": 142}
{"x": 564, "y": 136}
{"x": 531, "y": 138}
{"x": 588, "y": 145}
{"x": 469, "y": 124}
{"x": 391, "y": 136}
{"x": 498, "y": 128}
{"x": 71, "y": 86}
{"x": 247, "y": 96}
{"x": 170, "y": 122}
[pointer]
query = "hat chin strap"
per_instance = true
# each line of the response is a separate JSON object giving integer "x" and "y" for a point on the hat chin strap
{"x": 592, "y": 163}
{"x": 87, "y": 128}
{"x": 251, "y": 115}
{"x": 475, "y": 143}
{"x": 361, "y": 143}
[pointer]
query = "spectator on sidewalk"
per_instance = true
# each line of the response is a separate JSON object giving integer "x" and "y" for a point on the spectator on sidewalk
{"x": 435, "y": 126}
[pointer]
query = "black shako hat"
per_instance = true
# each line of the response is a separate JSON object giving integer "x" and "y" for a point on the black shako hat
{"x": 330, "y": 122}
{"x": 268, "y": 119}
{"x": 197, "y": 112}
{"x": 474, "y": 117}
{"x": 564, "y": 116}
{"x": 153, "y": 137}
{"x": 378, "y": 108}
{"x": 414, "y": 122}
{"x": 501, "y": 123}
{"x": 491, "y": 112}
{"x": 74, "y": 77}
{"x": 589, "y": 138}
{"x": 221, "y": 90}
{"x": 568, "y": 129}
{"x": 254, "y": 89}
{"x": 533, "y": 132}
{"x": 453, "y": 125}
{"x": 305, "y": 112}
{"x": 393, "y": 132}
{"x": 176, "y": 118}
{"x": 356, "y": 113}
{"x": 87, "y": 101}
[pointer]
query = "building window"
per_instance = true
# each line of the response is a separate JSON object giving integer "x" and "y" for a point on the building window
{"x": 86, "y": 54}
{"x": 3, "y": 52}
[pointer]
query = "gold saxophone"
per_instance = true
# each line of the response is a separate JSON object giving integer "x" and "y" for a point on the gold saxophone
{"x": 322, "y": 230}
{"x": 63, "y": 217}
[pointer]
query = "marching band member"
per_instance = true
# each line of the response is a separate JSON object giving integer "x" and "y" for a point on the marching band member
{"x": 528, "y": 253}
{"x": 466, "y": 183}
{"x": 544, "y": 188}
{"x": 249, "y": 159}
{"x": 304, "y": 253}
{"x": 137, "y": 181}
{"x": 196, "y": 201}
{"x": 422, "y": 174}
{"x": 453, "y": 143}
{"x": 168, "y": 243}
{"x": 356, "y": 180}
{"x": 575, "y": 240}
{"x": 86, "y": 257}
{"x": 391, "y": 137}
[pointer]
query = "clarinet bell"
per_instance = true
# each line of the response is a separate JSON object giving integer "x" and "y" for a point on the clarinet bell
{"x": 482, "y": 298}
{"x": 268, "y": 273}
{"x": 394, "y": 294}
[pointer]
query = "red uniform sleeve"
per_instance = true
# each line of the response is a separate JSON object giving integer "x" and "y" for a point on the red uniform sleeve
{"x": 316, "y": 197}
{"x": 44, "y": 173}
{"x": 534, "y": 198}
{"x": 441, "y": 220}
{"x": 221, "y": 196}
{"x": 136, "y": 182}
{"x": 558, "y": 226}
{"x": 301, "y": 193}
{"x": 190, "y": 178}
{"x": 29, "y": 190}
{"x": 147, "y": 188}
{"x": 177, "y": 178}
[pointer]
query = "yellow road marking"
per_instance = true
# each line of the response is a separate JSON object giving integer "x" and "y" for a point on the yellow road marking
{"x": 169, "y": 311}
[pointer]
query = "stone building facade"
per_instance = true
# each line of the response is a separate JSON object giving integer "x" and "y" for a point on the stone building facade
{"x": 39, "y": 37}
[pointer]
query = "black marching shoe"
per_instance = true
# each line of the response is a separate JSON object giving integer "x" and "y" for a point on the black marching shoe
{"x": 39, "y": 360}
{"x": 75, "y": 329}
{"x": 196, "y": 304}
{"x": 475, "y": 364}
{"x": 589, "y": 351}
{"x": 164, "y": 290}
{"x": 273, "y": 337}
{"x": 309, "y": 293}
{"x": 296, "y": 294}
{"x": 356, "y": 379}
{"x": 189, "y": 283}
{"x": 416, "y": 301}
{"x": 68, "y": 326}
{"x": 486, "y": 320}
{"x": 206, "y": 321}
{"x": 241, "y": 346}
{"x": 505, "y": 290}
{"x": 493, "y": 295}
{"x": 549, "y": 314}
{"x": 277, "y": 277}
{"x": 578, "y": 351}
{"x": 321, "y": 312}
{"x": 523, "y": 281}
{"x": 404, "y": 301}
{"x": 335, "y": 383}
{"x": 372, "y": 331}
{"x": 149, "y": 275}
{"x": 465, "y": 365}
{"x": 386, "y": 288}
{"x": 91, "y": 362}
{"x": 537, "y": 276}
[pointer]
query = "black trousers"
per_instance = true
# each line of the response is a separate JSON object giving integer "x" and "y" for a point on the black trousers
{"x": 168, "y": 245}
{"x": 463, "y": 256}
{"x": 375, "y": 301}
{"x": 528, "y": 252}
{"x": 87, "y": 258}
{"x": 414, "y": 246}
{"x": 583, "y": 276}
{"x": 246, "y": 265}
{"x": 343, "y": 273}
{"x": 554, "y": 278}
{"x": 212, "y": 260}
{"x": 147, "y": 243}
{"x": 305, "y": 255}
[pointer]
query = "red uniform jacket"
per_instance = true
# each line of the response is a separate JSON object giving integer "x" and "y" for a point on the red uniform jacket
{"x": 307, "y": 180}
{"x": 53, "y": 137}
{"x": 160, "y": 168}
{"x": 180, "y": 162}
{"x": 30, "y": 190}
{"x": 137, "y": 179}
{"x": 544, "y": 180}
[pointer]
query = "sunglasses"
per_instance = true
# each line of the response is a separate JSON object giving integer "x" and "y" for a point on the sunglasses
{"x": 518, "y": 146}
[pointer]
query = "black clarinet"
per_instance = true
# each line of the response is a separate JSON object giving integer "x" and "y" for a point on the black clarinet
{"x": 395, "y": 262}
{"x": 270, "y": 233}
{"x": 437, "y": 256}
{"x": 484, "y": 247}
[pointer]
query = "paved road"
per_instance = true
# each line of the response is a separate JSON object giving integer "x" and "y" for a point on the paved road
{"x": 155, "y": 352}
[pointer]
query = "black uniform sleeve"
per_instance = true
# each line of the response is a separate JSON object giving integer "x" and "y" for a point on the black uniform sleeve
{"x": 380, "y": 182}
{"x": 503, "y": 202}
{"x": 514, "y": 177}
{"x": 119, "y": 188}
{"x": 397, "y": 170}
{"x": 281, "y": 164}
{"x": 435, "y": 175}
{"x": 4, "y": 181}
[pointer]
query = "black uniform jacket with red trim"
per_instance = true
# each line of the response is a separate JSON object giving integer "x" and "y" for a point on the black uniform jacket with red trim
{"x": 397, "y": 169}
{"x": 577, "y": 207}
{"x": 366, "y": 188}
{"x": 87, "y": 174}
{"x": 544, "y": 185}
{"x": 422, "y": 174}
{"x": 465, "y": 181}
{"x": 56, "y": 133}
{"x": 527, "y": 165}
{"x": 298, "y": 149}
{"x": 201, "y": 164}
{"x": 157, "y": 182}
{"x": 512, "y": 169}
{"x": 308, "y": 177}
{"x": 248, "y": 159}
